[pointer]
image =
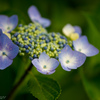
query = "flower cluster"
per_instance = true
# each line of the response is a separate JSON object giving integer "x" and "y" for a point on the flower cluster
{"x": 45, "y": 50}
{"x": 34, "y": 40}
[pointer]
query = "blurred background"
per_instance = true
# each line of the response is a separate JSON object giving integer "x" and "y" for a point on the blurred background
{"x": 80, "y": 84}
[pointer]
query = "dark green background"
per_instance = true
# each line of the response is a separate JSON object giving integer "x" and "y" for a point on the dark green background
{"x": 80, "y": 84}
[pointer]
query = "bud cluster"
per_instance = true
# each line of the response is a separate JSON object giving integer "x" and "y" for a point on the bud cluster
{"x": 33, "y": 39}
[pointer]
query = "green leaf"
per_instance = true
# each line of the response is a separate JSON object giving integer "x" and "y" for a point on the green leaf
{"x": 91, "y": 71}
{"x": 92, "y": 85}
{"x": 19, "y": 66}
{"x": 93, "y": 35}
{"x": 6, "y": 80}
{"x": 92, "y": 30}
{"x": 44, "y": 88}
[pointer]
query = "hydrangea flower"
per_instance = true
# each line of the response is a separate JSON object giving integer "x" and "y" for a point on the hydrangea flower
{"x": 70, "y": 59}
{"x": 7, "y": 24}
{"x": 82, "y": 45}
{"x": 35, "y": 16}
{"x": 8, "y": 51}
{"x": 54, "y": 44}
{"x": 45, "y": 64}
{"x": 73, "y": 32}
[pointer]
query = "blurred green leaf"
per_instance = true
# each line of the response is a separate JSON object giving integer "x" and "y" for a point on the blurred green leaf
{"x": 92, "y": 30}
{"x": 92, "y": 86}
{"x": 93, "y": 35}
{"x": 44, "y": 88}
{"x": 20, "y": 65}
{"x": 6, "y": 80}
{"x": 91, "y": 71}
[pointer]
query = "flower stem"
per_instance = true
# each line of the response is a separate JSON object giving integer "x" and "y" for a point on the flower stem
{"x": 10, "y": 95}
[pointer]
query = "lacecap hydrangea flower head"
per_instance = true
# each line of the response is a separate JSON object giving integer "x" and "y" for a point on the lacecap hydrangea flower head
{"x": 47, "y": 50}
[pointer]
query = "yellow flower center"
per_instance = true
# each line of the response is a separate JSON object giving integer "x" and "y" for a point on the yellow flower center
{"x": 8, "y": 34}
{"x": 74, "y": 36}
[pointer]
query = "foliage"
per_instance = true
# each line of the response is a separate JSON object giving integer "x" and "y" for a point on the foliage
{"x": 80, "y": 84}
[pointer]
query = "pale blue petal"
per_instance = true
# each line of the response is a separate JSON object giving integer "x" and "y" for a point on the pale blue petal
{"x": 33, "y": 13}
{"x": 85, "y": 47}
{"x": 91, "y": 51}
{"x": 66, "y": 48}
{"x": 5, "y": 62}
{"x": 46, "y": 72}
{"x": 43, "y": 57}
{"x": 63, "y": 57}
{"x": 36, "y": 63}
{"x": 44, "y": 22}
{"x": 65, "y": 68}
{"x": 81, "y": 43}
{"x": 75, "y": 58}
{"x": 65, "y": 52}
{"x": 80, "y": 58}
{"x": 78, "y": 30}
{"x": 52, "y": 63}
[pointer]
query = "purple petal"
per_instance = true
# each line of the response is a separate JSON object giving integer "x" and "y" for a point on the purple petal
{"x": 8, "y": 46}
{"x": 33, "y": 13}
{"x": 1, "y": 40}
{"x": 44, "y": 22}
{"x": 8, "y": 24}
{"x": 52, "y": 63}
{"x": 3, "y": 22}
{"x": 3, "y": 19}
{"x": 12, "y": 49}
{"x": 1, "y": 32}
{"x": 78, "y": 30}
{"x": 13, "y": 21}
{"x": 85, "y": 47}
{"x": 46, "y": 72}
{"x": 5, "y": 62}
